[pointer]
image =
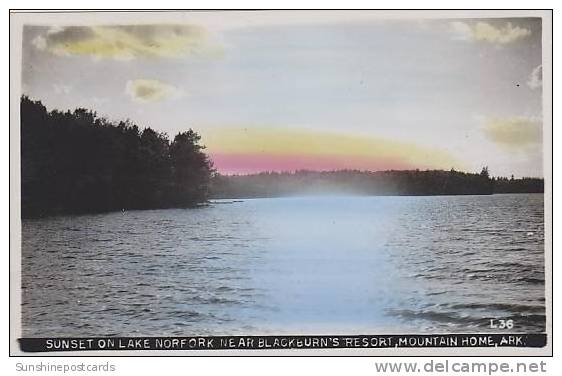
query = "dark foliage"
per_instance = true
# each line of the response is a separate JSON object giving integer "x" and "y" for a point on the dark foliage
{"x": 412, "y": 183}
{"x": 524, "y": 185}
{"x": 75, "y": 162}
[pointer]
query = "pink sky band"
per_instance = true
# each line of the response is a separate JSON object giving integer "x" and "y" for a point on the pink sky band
{"x": 254, "y": 163}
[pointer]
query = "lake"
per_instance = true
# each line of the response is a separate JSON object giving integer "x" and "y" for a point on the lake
{"x": 299, "y": 265}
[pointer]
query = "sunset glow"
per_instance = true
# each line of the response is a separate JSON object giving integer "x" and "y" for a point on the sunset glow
{"x": 315, "y": 91}
{"x": 249, "y": 150}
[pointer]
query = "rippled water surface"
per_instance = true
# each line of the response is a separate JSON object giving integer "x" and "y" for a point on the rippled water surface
{"x": 309, "y": 265}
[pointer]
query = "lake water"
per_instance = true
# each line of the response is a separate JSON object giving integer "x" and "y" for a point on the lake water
{"x": 309, "y": 265}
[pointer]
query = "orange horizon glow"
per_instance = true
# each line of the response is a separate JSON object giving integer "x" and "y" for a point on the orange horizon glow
{"x": 244, "y": 164}
{"x": 254, "y": 150}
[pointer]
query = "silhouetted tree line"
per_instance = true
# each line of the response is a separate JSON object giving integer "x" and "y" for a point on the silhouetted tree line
{"x": 410, "y": 182}
{"x": 75, "y": 162}
{"x": 523, "y": 185}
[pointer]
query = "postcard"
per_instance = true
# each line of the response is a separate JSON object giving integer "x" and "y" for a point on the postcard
{"x": 357, "y": 182}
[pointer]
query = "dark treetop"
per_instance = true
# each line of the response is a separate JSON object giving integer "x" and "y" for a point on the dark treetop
{"x": 77, "y": 162}
{"x": 411, "y": 182}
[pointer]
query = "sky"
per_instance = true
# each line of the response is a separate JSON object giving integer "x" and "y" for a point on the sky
{"x": 309, "y": 90}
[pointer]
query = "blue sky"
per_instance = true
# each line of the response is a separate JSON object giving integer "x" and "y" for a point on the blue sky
{"x": 468, "y": 90}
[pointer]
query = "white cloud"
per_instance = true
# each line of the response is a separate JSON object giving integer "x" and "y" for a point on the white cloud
{"x": 40, "y": 42}
{"x": 535, "y": 78}
{"x": 514, "y": 134}
{"x": 486, "y": 32}
{"x": 147, "y": 90}
{"x": 461, "y": 30}
{"x": 123, "y": 42}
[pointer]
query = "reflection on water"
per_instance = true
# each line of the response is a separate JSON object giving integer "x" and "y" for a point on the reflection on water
{"x": 289, "y": 265}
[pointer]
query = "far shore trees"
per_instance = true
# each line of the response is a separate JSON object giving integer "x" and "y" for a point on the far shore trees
{"x": 354, "y": 182}
{"x": 78, "y": 162}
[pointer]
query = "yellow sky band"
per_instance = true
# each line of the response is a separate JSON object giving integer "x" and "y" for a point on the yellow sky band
{"x": 278, "y": 141}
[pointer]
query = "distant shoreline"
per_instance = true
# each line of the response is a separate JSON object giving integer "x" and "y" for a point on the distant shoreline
{"x": 234, "y": 200}
{"x": 368, "y": 183}
{"x": 77, "y": 162}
